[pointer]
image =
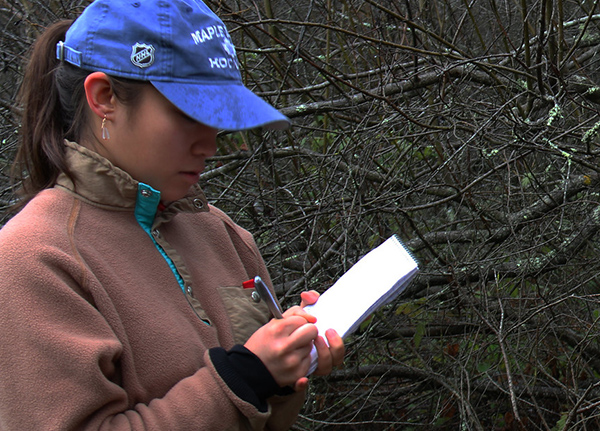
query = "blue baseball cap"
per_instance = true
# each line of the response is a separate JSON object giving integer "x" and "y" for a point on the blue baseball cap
{"x": 181, "y": 47}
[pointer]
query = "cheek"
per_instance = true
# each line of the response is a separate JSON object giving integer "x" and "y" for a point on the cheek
{"x": 154, "y": 142}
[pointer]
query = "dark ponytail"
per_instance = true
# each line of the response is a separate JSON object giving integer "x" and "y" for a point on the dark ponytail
{"x": 52, "y": 98}
{"x": 40, "y": 157}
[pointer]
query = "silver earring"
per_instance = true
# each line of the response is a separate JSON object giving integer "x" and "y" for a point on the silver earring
{"x": 105, "y": 134}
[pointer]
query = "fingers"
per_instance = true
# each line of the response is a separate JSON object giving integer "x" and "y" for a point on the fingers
{"x": 308, "y": 298}
{"x": 301, "y": 384}
{"x": 284, "y": 346}
{"x": 289, "y": 324}
{"x": 292, "y": 335}
{"x": 331, "y": 354}
{"x": 303, "y": 336}
{"x": 336, "y": 347}
{"x": 299, "y": 311}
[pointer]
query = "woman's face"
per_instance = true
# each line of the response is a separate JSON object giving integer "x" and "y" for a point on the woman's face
{"x": 159, "y": 145}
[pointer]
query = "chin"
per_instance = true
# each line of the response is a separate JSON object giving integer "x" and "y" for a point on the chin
{"x": 172, "y": 197}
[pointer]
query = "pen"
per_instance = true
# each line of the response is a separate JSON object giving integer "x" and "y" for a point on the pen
{"x": 266, "y": 296}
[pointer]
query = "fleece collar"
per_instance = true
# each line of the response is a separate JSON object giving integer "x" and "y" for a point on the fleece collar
{"x": 100, "y": 183}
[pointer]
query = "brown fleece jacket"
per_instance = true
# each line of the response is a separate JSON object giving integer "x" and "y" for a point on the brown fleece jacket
{"x": 97, "y": 333}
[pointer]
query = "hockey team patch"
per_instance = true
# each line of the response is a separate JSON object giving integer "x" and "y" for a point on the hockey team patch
{"x": 142, "y": 55}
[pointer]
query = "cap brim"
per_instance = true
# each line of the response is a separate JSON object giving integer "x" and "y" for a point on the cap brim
{"x": 224, "y": 106}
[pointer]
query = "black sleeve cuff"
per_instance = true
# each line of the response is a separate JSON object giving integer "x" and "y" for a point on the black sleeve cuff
{"x": 246, "y": 375}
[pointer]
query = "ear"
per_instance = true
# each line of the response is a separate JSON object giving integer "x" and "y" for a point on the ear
{"x": 99, "y": 94}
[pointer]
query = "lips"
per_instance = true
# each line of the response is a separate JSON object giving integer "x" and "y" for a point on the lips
{"x": 192, "y": 176}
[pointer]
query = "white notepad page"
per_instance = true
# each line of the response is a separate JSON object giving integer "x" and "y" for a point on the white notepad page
{"x": 375, "y": 280}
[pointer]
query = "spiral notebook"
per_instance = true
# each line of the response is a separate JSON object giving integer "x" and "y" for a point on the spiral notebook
{"x": 372, "y": 282}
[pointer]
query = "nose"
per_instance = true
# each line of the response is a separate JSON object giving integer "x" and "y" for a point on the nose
{"x": 205, "y": 143}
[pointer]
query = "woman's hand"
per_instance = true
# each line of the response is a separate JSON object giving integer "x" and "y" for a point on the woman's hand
{"x": 284, "y": 346}
{"x": 331, "y": 353}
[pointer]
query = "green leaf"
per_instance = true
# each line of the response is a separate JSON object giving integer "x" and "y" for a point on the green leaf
{"x": 419, "y": 333}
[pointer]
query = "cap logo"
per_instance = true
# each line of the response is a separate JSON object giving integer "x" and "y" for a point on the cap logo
{"x": 142, "y": 55}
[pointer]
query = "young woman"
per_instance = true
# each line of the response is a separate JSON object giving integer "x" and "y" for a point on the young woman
{"x": 122, "y": 295}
